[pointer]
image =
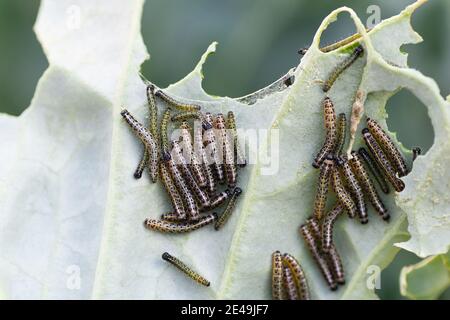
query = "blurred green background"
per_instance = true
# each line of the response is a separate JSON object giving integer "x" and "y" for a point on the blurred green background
{"x": 258, "y": 42}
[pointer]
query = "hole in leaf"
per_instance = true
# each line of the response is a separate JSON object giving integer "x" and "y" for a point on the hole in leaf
{"x": 23, "y": 60}
{"x": 408, "y": 117}
{"x": 338, "y": 30}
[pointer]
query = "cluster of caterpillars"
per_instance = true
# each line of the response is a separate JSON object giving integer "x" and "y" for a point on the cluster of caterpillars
{"x": 288, "y": 278}
{"x": 350, "y": 178}
{"x": 193, "y": 167}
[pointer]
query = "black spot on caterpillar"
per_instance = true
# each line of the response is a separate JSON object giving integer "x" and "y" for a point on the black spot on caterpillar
{"x": 367, "y": 185}
{"x": 387, "y": 145}
{"x": 184, "y": 268}
{"x": 342, "y": 67}
{"x": 186, "y": 115}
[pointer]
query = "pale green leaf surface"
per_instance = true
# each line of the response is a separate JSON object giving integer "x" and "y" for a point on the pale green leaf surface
{"x": 427, "y": 279}
{"x": 69, "y": 199}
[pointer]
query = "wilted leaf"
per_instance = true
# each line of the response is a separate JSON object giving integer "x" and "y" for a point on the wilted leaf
{"x": 72, "y": 212}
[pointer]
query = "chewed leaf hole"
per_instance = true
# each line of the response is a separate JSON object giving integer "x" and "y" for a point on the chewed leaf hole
{"x": 408, "y": 117}
{"x": 338, "y": 30}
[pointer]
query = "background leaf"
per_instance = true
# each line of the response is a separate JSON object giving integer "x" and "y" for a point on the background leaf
{"x": 427, "y": 279}
{"x": 71, "y": 157}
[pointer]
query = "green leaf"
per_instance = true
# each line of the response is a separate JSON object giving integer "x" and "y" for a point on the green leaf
{"x": 427, "y": 279}
{"x": 72, "y": 212}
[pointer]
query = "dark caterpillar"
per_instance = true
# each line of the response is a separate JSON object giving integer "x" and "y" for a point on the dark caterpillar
{"x": 355, "y": 189}
{"x": 394, "y": 155}
{"x": 322, "y": 187}
{"x": 147, "y": 139}
{"x": 341, "y": 68}
{"x": 185, "y": 269}
{"x": 367, "y": 185}
{"x": 374, "y": 170}
{"x": 382, "y": 161}
{"x": 330, "y": 135}
{"x": 229, "y": 209}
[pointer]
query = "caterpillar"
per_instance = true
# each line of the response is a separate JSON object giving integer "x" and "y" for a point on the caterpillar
{"x": 211, "y": 146}
{"x": 231, "y": 124}
{"x": 172, "y": 217}
{"x": 199, "y": 194}
{"x": 228, "y": 151}
{"x": 315, "y": 252}
{"x": 368, "y": 187}
{"x": 194, "y": 163}
{"x": 341, "y": 68}
{"x": 228, "y": 209}
{"x": 277, "y": 276}
{"x": 153, "y": 127}
{"x": 177, "y": 104}
{"x": 355, "y": 189}
{"x": 219, "y": 199}
{"x": 164, "y": 130}
{"x": 332, "y": 258}
{"x": 374, "y": 170}
{"x": 299, "y": 276}
{"x": 322, "y": 187}
{"x": 188, "y": 200}
{"x": 169, "y": 227}
{"x": 289, "y": 283}
{"x": 172, "y": 191}
{"x": 381, "y": 159}
{"x": 186, "y": 115}
{"x": 327, "y": 226}
{"x": 147, "y": 139}
{"x": 330, "y": 136}
{"x": 394, "y": 155}
{"x": 184, "y": 268}
{"x": 342, "y": 194}
{"x": 198, "y": 149}
{"x": 335, "y": 45}
{"x": 341, "y": 134}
